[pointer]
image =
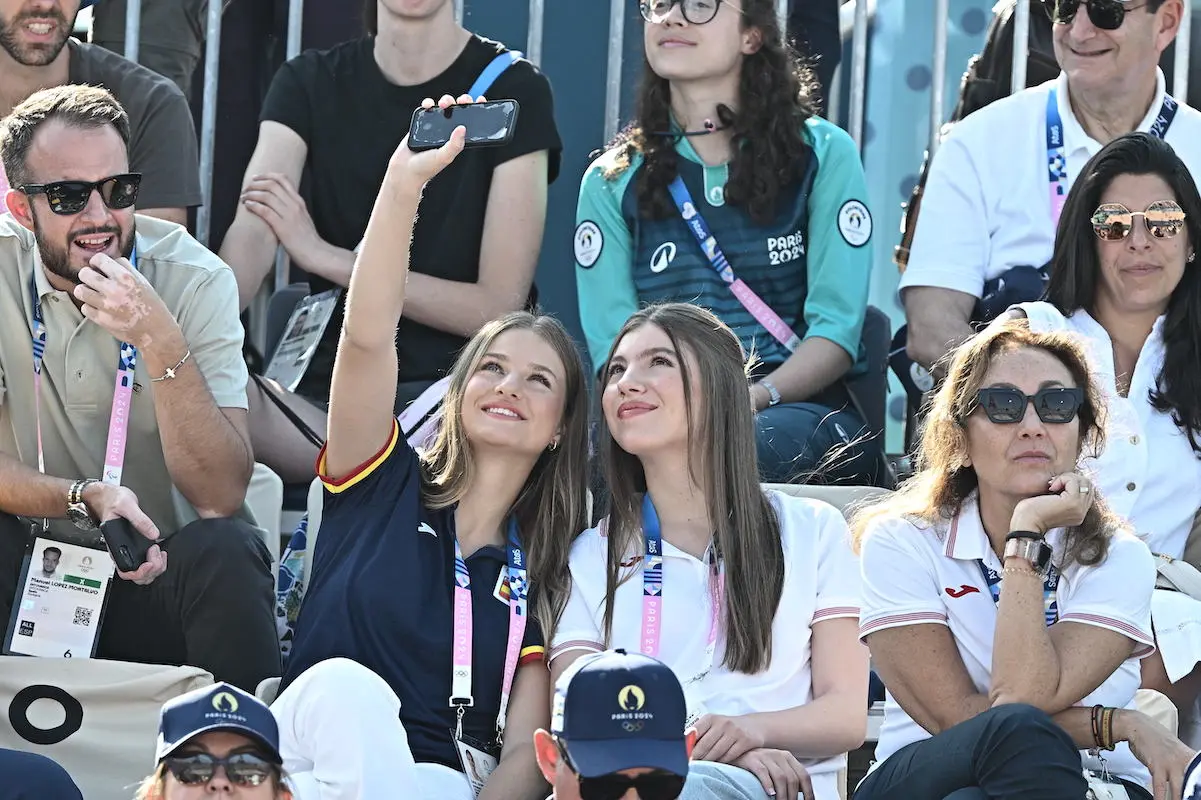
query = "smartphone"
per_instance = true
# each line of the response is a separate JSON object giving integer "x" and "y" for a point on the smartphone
{"x": 125, "y": 543}
{"x": 488, "y": 124}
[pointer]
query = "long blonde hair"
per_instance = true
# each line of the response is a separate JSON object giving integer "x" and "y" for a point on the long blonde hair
{"x": 721, "y": 432}
{"x": 942, "y": 482}
{"x": 550, "y": 510}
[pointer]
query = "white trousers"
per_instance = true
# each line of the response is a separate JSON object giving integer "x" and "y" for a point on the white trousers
{"x": 341, "y": 739}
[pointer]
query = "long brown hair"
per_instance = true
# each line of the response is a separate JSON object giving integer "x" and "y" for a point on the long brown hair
{"x": 777, "y": 92}
{"x": 721, "y": 432}
{"x": 550, "y": 510}
{"x": 1076, "y": 267}
{"x": 942, "y": 482}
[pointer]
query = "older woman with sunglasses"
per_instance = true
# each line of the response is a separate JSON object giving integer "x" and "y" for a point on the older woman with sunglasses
{"x": 1005, "y": 606}
{"x": 1124, "y": 277}
{"x": 217, "y": 740}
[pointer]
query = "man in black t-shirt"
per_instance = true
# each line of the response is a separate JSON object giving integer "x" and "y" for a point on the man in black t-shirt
{"x": 36, "y": 52}
{"x": 337, "y": 115}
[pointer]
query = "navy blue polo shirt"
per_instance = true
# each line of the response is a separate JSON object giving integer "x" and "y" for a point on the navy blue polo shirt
{"x": 381, "y": 594}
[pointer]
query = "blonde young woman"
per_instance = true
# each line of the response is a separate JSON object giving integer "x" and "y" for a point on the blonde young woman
{"x": 1006, "y": 608}
{"x": 418, "y": 655}
{"x": 751, "y": 597}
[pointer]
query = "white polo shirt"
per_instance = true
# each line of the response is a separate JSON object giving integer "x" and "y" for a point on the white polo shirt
{"x": 821, "y": 582}
{"x": 1159, "y": 495}
{"x": 986, "y": 206}
{"x": 930, "y": 575}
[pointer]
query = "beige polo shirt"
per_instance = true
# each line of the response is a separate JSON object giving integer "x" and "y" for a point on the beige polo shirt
{"x": 80, "y": 363}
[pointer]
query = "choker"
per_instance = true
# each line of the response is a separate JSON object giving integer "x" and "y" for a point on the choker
{"x": 710, "y": 127}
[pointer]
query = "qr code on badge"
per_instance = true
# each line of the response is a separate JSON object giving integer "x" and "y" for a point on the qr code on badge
{"x": 83, "y": 616}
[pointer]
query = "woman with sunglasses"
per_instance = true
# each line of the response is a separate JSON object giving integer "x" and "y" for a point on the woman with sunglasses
{"x": 419, "y": 655}
{"x": 750, "y": 596}
{"x": 217, "y": 740}
{"x": 730, "y": 192}
{"x": 1124, "y": 276}
{"x": 1005, "y": 606}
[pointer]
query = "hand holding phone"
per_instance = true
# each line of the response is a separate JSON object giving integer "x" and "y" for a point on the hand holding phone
{"x": 488, "y": 124}
{"x": 130, "y": 549}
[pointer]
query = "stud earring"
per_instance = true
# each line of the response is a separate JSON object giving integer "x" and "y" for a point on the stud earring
{"x": 1192, "y": 257}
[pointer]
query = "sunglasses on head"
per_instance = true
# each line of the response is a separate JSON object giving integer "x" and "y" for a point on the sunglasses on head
{"x": 243, "y": 769}
{"x": 70, "y": 197}
{"x": 696, "y": 12}
{"x": 657, "y": 785}
{"x": 1113, "y": 221}
{"x": 1108, "y": 15}
{"x": 1006, "y": 406}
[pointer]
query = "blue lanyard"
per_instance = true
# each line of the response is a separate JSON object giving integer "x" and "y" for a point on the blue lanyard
{"x": 1057, "y": 162}
{"x": 1050, "y": 585}
{"x": 772, "y": 322}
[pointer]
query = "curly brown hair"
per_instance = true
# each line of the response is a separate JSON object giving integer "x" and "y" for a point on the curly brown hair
{"x": 942, "y": 482}
{"x": 777, "y": 93}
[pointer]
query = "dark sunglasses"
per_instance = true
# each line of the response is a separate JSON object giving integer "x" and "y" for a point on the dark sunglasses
{"x": 70, "y": 197}
{"x": 243, "y": 769}
{"x": 696, "y": 12}
{"x": 1006, "y": 406}
{"x": 1113, "y": 222}
{"x": 1108, "y": 15}
{"x": 649, "y": 786}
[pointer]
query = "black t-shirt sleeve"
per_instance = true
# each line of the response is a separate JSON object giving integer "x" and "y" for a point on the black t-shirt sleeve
{"x": 289, "y": 99}
{"x": 533, "y": 644}
{"x": 536, "y": 129}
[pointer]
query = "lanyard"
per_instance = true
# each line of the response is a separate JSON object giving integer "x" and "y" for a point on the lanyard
{"x": 460, "y": 689}
{"x": 762, "y": 313}
{"x": 1057, "y": 161}
{"x": 652, "y": 591}
{"x": 1050, "y": 584}
{"x": 118, "y": 422}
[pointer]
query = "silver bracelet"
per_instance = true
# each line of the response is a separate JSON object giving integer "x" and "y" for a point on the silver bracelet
{"x": 773, "y": 394}
{"x": 170, "y": 373}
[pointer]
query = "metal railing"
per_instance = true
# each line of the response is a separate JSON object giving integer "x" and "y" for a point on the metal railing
{"x": 859, "y": 14}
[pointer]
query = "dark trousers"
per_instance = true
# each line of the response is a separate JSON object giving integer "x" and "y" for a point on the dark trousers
{"x": 812, "y": 443}
{"x": 213, "y": 608}
{"x": 26, "y": 776}
{"x": 1012, "y": 752}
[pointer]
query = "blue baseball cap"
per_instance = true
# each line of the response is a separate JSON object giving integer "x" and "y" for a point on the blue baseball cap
{"x": 220, "y": 707}
{"x": 619, "y": 710}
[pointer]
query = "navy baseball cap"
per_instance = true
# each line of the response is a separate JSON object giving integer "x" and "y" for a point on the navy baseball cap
{"x": 220, "y": 707}
{"x": 619, "y": 710}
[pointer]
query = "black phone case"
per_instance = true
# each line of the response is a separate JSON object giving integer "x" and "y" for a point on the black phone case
{"x": 127, "y": 546}
{"x": 418, "y": 146}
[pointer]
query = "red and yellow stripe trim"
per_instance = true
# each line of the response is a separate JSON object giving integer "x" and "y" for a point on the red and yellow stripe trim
{"x": 534, "y": 654}
{"x": 361, "y": 472}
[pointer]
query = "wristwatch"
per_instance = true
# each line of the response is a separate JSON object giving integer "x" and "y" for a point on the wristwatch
{"x": 78, "y": 511}
{"x": 1034, "y": 550}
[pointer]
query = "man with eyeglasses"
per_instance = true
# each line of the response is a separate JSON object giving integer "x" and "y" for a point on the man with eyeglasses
{"x": 617, "y": 731}
{"x": 991, "y": 203}
{"x": 123, "y": 397}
